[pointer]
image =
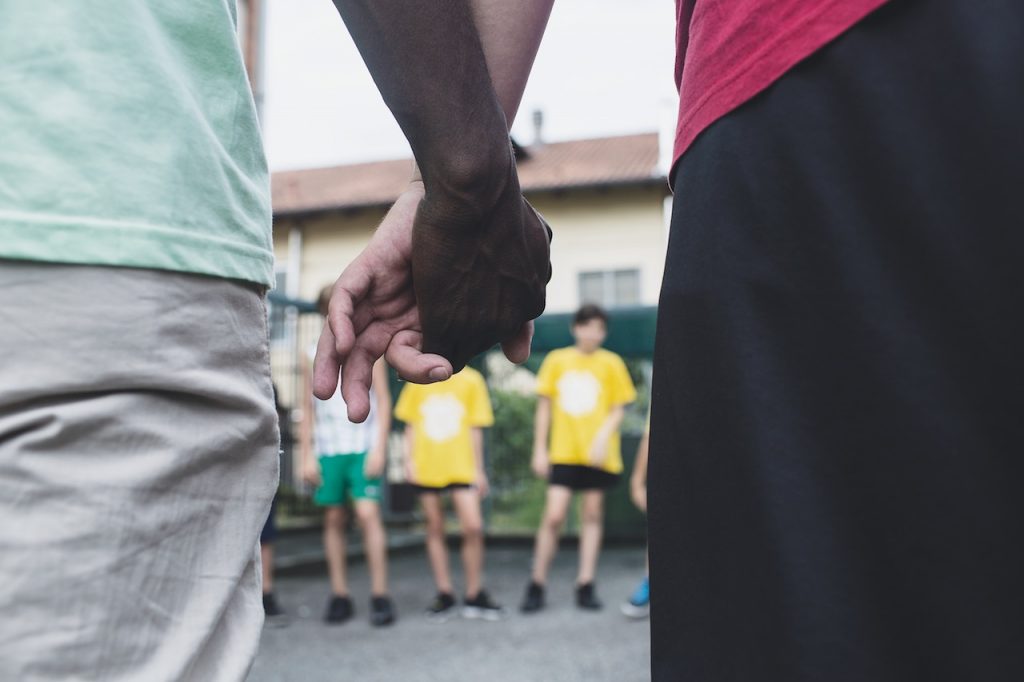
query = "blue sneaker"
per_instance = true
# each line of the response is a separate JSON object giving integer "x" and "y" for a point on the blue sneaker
{"x": 639, "y": 605}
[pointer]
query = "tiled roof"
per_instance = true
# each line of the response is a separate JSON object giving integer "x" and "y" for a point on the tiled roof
{"x": 623, "y": 160}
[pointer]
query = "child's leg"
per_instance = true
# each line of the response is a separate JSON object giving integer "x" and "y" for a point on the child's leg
{"x": 437, "y": 552}
{"x": 467, "y": 506}
{"x": 267, "y": 561}
{"x": 368, "y": 514}
{"x": 555, "y": 509}
{"x": 591, "y": 529}
{"x": 334, "y": 549}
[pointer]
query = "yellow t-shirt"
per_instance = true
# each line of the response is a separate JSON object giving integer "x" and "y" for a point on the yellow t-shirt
{"x": 442, "y": 416}
{"x": 583, "y": 390}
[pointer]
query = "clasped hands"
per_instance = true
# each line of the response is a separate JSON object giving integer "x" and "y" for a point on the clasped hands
{"x": 453, "y": 269}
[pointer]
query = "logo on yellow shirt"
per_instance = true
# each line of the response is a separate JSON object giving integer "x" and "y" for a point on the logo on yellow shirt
{"x": 442, "y": 417}
{"x": 578, "y": 392}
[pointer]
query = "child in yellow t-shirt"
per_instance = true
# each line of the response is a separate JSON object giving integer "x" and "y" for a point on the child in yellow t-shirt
{"x": 444, "y": 453}
{"x": 583, "y": 391}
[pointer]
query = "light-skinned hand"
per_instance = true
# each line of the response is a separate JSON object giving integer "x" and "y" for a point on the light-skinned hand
{"x": 311, "y": 472}
{"x": 375, "y": 461}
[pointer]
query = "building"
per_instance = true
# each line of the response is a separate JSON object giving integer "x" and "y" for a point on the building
{"x": 605, "y": 200}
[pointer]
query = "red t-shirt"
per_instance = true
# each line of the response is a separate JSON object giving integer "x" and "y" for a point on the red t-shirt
{"x": 727, "y": 51}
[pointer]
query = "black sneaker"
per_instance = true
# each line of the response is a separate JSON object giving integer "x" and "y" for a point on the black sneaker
{"x": 442, "y": 608}
{"x": 274, "y": 615}
{"x": 339, "y": 609}
{"x": 382, "y": 611}
{"x": 533, "y": 600}
{"x": 587, "y": 599}
{"x": 481, "y": 607}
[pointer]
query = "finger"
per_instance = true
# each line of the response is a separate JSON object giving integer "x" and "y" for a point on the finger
{"x": 356, "y": 376}
{"x": 414, "y": 365}
{"x": 517, "y": 348}
{"x": 357, "y": 369}
{"x": 326, "y": 365}
{"x": 350, "y": 288}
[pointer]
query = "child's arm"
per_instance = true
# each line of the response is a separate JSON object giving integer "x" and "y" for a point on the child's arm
{"x": 599, "y": 446}
{"x": 308, "y": 464}
{"x": 377, "y": 459}
{"x": 541, "y": 424}
{"x": 482, "y": 484}
{"x": 410, "y": 470}
{"x": 638, "y": 481}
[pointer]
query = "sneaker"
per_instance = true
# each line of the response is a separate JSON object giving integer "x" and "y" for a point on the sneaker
{"x": 481, "y": 607}
{"x": 639, "y": 605}
{"x": 533, "y": 600}
{"x": 586, "y": 598}
{"x": 442, "y": 608}
{"x": 274, "y": 615}
{"x": 339, "y": 609}
{"x": 382, "y": 611}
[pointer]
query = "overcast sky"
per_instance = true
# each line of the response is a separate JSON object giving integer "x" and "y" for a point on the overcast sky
{"x": 605, "y": 68}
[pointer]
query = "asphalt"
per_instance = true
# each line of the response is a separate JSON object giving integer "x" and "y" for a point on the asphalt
{"x": 560, "y": 644}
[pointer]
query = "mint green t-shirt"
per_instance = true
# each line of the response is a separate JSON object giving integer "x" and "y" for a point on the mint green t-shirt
{"x": 128, "y": 137}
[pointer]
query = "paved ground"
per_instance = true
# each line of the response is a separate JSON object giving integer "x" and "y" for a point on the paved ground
{"x": 561, "y": 644}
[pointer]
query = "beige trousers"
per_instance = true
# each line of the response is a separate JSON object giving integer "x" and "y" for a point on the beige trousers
{"x": 138, "y": 458}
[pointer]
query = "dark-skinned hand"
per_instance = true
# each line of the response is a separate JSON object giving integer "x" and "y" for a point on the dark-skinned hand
{"x": 480, "y": 263}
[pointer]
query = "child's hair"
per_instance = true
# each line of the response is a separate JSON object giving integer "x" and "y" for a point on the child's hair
{"x": 324, "y": 298}
{"x": 588, "y": 312}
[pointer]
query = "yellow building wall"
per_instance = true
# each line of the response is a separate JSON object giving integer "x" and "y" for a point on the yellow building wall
{"x": 611, "y": 230}
{"x": 329, "y": 244}
{"x": 594, "y": 230}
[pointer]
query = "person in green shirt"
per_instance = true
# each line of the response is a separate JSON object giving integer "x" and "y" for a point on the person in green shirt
{"x": 138, "y": 437}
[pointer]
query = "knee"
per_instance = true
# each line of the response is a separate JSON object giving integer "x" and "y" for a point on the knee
{"x": 592, "y": 516}
{"x": 473, "y": 531}
{"x": 368, "y": 516}
{"x": 435, "y": 528}
{"x": 553, "y": 520}
{"x": 334, "y": 519}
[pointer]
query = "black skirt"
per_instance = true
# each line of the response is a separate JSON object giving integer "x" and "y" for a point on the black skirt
{"x": 837, "y": 453}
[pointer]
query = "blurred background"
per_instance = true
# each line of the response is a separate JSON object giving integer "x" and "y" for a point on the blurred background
{"x": 593, "y": 139}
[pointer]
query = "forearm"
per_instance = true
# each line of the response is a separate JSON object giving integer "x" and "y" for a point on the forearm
{"x": 306, "y": 425}
{"x": 510, "y": 33}
{"x": 541, "y": 425}
{"x": 612, "y": 422}
{"x": 383, "y": 395}
{"x": 407, "y": 446}
{"x": 428, "y": 63}
{"x": 639, "y": 476}
{"x": 478, "y": 448}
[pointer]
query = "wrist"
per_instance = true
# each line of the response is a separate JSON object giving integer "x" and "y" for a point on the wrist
{"x": 473, "y": 177}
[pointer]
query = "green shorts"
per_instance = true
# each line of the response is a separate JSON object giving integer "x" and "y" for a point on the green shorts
{"x": 342, "y": 479}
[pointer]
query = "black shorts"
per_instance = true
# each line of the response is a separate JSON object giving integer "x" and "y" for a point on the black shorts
{"x": 578, "y": 477}
{"x": 835, "y": 460}
{"x": 435, "y": 490}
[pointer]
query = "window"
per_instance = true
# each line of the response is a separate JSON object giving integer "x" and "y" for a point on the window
{"x": 610, "y": 288}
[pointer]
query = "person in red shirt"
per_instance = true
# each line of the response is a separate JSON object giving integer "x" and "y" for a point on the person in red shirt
{"x": 836, "y": 408}
{"x": 834, "y": 456}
